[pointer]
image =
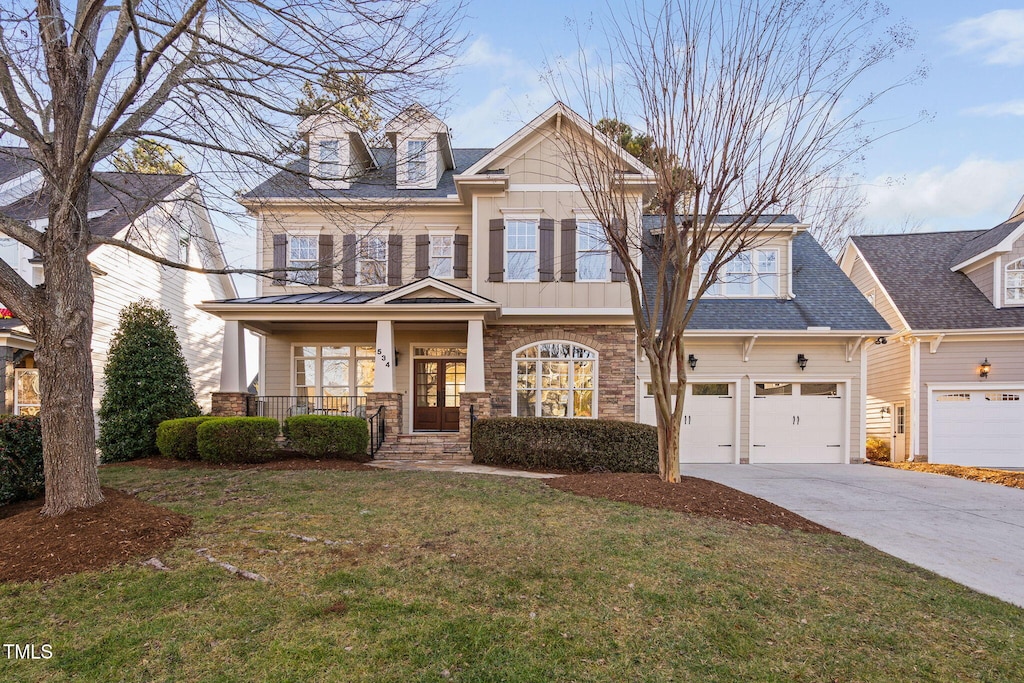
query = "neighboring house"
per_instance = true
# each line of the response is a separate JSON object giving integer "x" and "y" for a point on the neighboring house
{"x": 442, "y": 278}
{"x": 949, "y": 385}
{"x": 161, "y": 213}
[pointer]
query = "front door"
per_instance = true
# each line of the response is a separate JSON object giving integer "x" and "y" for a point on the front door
{"x": 898, "y": 413}
{"x": 438, "y": 387}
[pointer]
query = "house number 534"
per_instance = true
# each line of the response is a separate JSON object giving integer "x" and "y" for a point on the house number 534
{"x": 384, "y": 358}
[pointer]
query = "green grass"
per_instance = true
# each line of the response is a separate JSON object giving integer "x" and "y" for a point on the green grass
{"x": 450, "y": 577}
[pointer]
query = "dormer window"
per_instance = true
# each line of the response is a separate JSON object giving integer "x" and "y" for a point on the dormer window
{"x": 416, "y": 161}
{"x": 753, "y": 273}
{"x": 1015, "y": 282}
{"x": 330, "y": 159}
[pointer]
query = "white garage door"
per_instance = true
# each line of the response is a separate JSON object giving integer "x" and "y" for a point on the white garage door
{"x": 797, "y": 422}
{"x": 977, "y": 428}
{"x": 708, "y": 432}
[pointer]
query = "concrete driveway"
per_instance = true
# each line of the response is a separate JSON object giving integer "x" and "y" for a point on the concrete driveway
{"x": 968, "y": 531}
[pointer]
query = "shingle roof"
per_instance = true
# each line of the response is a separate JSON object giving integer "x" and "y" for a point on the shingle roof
{"x": 293, "y": 183}
{"x": 986, "y": 240}
{"x": 124, "y": 197}
{"x": 825, "y": 297}
{"x": 915, "y": 271}
{"x": 14, "y": 162}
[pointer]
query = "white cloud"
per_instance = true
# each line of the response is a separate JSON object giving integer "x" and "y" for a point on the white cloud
{"x": 977, "y": 194}
{"x": 998, "y": 35}
{"x": 1011, "y": 108}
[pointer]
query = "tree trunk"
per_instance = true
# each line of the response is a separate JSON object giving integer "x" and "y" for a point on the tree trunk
{"x": 64, "y": 355}
{"x": 668, "y": 440}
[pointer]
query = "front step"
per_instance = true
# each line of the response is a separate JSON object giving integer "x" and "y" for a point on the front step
{"x": 451, "y": 447}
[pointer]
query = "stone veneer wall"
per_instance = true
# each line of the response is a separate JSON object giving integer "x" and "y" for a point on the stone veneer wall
{"x": 616, "y": 369}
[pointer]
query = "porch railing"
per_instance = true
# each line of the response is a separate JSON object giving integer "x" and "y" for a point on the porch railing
{"x": 281, "y": 407}
{"x": 375, "y": 423}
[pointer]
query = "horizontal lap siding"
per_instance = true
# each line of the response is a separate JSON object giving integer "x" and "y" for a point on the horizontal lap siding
{"x": 982, "y": 279}
{"x": 888, "y": 381}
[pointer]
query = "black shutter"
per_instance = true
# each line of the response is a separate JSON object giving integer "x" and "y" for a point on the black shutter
{"x": 569, "y": 250}
{"x": 546, "y": 259}
{"x": 394, "y": 260}
{"x": 280, "y": 259}
{"x": 618, "y": 269}
{"x": 348, "y": 260}
{"x": 326, "y": 273}
{"x": 461, "y": 256}
{"x": 422, "y": 256}
{"x": 497, "y": 250}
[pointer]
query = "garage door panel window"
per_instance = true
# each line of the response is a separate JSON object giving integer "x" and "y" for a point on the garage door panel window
{"x": 819, "y": 389}
{"x": 709, "y": 389}
{"x": 555, "y": 379}
{"x": 773, "y": 389}
{"x": 953, "y": 397}
{"x": 1002, "y": 397}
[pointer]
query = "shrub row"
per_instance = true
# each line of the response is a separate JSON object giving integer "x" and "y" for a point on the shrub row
{"x": 575, "y": 445}
{"x": 21, "y": 458}
{"x": 254, "y": 439}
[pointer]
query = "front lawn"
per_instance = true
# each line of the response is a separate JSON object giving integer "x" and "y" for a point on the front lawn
{"x": 444, "y": 577}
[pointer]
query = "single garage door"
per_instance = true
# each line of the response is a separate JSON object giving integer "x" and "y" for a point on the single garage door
{"x": 977, "y": 428}
{"x": 708, "y": 432}
{"x": 797, "y": 422}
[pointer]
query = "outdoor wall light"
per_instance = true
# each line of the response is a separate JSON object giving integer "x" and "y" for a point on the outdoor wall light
{"x": 398, "y": 355}
{"x": 985, "y": 368}
{"x": 693, "y": 361}
{"x": 881, "y": 340}
{"x": 801, "y": 360}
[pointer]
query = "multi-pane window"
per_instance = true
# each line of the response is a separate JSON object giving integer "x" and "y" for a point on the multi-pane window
{"x": 441, "y": 256}
{"x": 27, "y": 398}
{"x": 416, "y": 160}
{"x": 372, "y": 264}
{"x": 184, "y": 243}
{"x": 334, "y": 371}
{"x": 302, "y": 253}
{"x": 1015, "y": 282}
{"x": 592, "y": 256}
{"x": 521, "y": 250}
{"x": 330, "y": 159}
{"x": 749, "y": 273}
{"x": 555, "y": 379}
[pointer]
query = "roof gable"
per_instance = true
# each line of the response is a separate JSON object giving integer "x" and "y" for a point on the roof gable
{"x": 430, "y": 290}
{"x": 999, "y": 239}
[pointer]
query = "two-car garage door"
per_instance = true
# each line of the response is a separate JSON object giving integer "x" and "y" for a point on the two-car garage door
{"x": 979, "y": 428}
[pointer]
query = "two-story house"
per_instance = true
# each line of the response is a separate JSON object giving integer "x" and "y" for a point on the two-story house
{"x": 164, "y": 214}
{"x": 427, "y": 278}
{"x": 949, "y": 386}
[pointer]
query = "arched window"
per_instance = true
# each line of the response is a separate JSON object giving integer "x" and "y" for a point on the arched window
{"x": 555, "y": 379}
{"x": 1015, "y": 282}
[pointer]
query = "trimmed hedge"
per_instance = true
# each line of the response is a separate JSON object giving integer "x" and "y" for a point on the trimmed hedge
{"x": 21, "y": 458}
{"x": 575, "y": 445}
{"x": 327, "y": 436}
{"x": 237, "y": 439}
{"x": 177, "y": 438}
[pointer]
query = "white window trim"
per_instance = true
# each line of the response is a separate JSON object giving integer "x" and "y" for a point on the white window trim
{"x": 754, "y": 293}
{"x": 291, "y": 276}
{"x": 607, "y": 251}
{"x": 318, "y": 386}
{"x": 1005, "y": 293}
{"x": 18, "y": 405}
{"x": 424, "y": 159}
{"x": 535, "y": 219}
{"x": 361, "y": 236}
{"x": 440, "y": 231}
{"x": 320, "y": 163}
{"x": 596, "y": 360}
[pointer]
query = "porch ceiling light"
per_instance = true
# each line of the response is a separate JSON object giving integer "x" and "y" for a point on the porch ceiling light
{"x": 693, "y": 361}
{"x": 801, "y": 360}
{"x": 985, "y": 368}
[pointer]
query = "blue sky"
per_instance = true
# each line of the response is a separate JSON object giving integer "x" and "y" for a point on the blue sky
{"x": 960, "y": 168}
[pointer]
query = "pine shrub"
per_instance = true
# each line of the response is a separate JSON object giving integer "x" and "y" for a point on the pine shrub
{"x": 21, "y": 458}
{"x": 327, "y": 436}
{"x": 147, "y": 382}
{"x": 237, "y": 439}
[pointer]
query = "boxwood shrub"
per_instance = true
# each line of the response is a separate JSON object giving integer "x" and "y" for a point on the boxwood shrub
{"x": 328, "y": 436}
{"x": 177, "y": 438}
{"x": 575, "y": 445}
{"x": 21, "y": 458}
{"x": 237, "y": 439}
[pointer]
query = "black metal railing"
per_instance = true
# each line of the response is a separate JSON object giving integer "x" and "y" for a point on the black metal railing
{"x": 375, "y": 423}
{"x": 472, "y": 423}
{"x": 281, "y": 407}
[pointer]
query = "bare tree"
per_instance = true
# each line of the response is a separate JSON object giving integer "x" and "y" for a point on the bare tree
{"x": 749, "y": 109}
{"x": 215, "y": 80}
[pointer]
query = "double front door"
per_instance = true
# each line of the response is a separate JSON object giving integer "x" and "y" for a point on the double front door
{"x": 438, "y": 385}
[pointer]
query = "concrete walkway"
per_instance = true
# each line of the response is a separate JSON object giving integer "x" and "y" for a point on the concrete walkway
{"x": 968, "y": 531}
{"x": 455, "y": 466}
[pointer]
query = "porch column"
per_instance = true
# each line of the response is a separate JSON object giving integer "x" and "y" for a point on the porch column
{"x": 384, "y": 362}
{"x": 232, "y": 362}
{"x": 475, "y": 357}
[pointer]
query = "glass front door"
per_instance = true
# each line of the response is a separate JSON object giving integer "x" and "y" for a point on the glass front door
{"x": 438, "y": 387}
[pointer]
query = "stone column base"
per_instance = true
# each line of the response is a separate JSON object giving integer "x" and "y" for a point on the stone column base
{"x": 229, "y": 404}
{"x": 481, "y": 404}
{"x": 392, "y": 402}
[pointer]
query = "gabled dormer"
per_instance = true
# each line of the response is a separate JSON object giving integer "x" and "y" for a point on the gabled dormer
{"x": 423, "y": 148}
{"x": 338, "y": 151}
{"x": 994, "y": 262}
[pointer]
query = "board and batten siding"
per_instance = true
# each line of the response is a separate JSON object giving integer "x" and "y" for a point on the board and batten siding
{"x": 958, "y": 361}
{"x": 774, "y": 361}
{"x": 129, "y": 277}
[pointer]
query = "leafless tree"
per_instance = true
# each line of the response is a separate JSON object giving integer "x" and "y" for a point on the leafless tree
{"x": 216, "y": 80}
{"x": 751, "y": 108}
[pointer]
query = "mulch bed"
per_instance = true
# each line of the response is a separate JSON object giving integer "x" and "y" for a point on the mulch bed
{"x": 119, "y": 529}
{"x": 160, "y": 463}
{"x": 691, "y": 495}
{"x": 992, "y": 476}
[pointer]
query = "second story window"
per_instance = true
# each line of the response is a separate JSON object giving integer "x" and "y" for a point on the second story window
{"x": 521, "y": 250}
{"x": 302, "y": 253}
{"x": 592, "y": 254}
{"x": 330, "y": 160}
{"x": 372, "y": 267}
{"x": 753, "y": 273}
{"x": 441, "y": 252}
{"x": 416, "y": 160}
{"x": 1015, "y": 282}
